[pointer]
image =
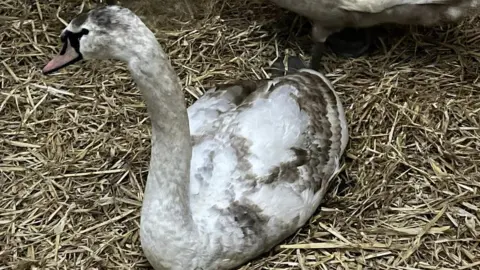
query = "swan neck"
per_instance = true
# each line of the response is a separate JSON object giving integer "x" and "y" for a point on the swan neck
{"x": 166, "y": 207}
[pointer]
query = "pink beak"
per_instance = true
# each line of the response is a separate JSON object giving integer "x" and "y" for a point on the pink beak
{"x": 68, "y": 55}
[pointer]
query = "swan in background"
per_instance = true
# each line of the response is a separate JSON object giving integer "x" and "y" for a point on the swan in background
{"x": 355, "y": 16}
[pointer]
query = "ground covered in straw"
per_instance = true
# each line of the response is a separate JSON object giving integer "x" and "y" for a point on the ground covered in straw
{"x": 74, "y": 146}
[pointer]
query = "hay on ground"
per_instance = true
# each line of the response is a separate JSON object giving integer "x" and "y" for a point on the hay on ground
{"x": 74, "y": 146}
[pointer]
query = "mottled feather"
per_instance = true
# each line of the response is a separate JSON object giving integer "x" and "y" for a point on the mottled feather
{"x": 266, "y": 154}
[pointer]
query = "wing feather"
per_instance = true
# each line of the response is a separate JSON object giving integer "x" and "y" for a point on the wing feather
{"x": 218, "y": 100}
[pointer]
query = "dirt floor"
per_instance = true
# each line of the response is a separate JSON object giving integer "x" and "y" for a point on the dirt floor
{"x": 74, "y": 146}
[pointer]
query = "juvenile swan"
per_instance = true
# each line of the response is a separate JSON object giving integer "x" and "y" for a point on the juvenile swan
{"x": 239, "y": 171}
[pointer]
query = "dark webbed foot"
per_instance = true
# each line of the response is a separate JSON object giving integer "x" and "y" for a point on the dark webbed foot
{"x": 294, "y": 63}
{"x": 350, "y": 42}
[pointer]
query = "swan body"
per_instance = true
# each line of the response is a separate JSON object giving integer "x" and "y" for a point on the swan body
{"x": 332, "y": 16}
{"x": 237, "y": 172}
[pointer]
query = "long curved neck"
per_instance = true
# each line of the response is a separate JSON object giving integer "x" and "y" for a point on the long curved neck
{"x": 166, "y": 205}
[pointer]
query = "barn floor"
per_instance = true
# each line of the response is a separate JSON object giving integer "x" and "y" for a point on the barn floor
{"x": 74, "y": 146}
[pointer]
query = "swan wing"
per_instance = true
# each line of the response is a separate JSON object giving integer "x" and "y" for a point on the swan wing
{"x": 218, "y": 100}
{"x": 273, "y": 154}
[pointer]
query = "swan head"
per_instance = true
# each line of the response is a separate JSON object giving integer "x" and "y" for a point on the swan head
{"x": 110, "y": 32}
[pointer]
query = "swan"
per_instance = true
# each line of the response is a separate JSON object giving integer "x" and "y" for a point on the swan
{"x": 345, "y": 22}
{"x": 237, "y": 172}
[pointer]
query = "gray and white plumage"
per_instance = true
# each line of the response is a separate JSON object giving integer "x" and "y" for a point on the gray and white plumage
{"x": 330, "y": 16}
{"x": 238, "y": 171}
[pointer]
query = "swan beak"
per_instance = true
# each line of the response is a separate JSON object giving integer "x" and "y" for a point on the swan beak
{"x": 67, "y": 56}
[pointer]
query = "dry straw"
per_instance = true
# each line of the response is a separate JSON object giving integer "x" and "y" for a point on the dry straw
{"x": 74, "y": 146}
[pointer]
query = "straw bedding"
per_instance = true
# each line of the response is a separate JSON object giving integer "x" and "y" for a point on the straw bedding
{"x": 74, "y": 146}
